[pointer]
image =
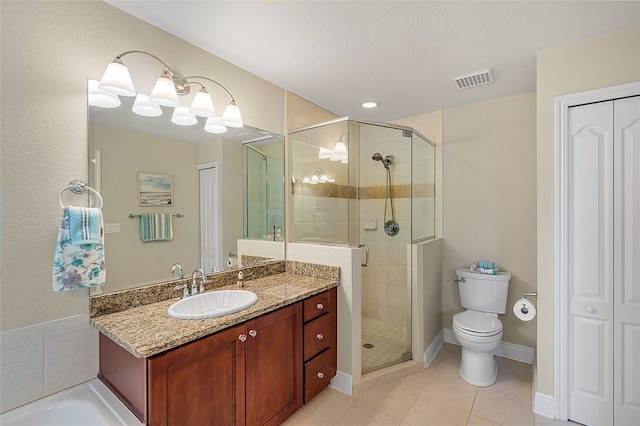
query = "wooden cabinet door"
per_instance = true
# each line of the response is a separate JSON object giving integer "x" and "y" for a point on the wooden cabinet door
{"x": 201, "y": 383}
{"x": 274, "y": 366}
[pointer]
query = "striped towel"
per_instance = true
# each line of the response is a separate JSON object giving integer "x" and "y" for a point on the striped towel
{"x": 156, "y": 227}
{"x": 85, "y": 225}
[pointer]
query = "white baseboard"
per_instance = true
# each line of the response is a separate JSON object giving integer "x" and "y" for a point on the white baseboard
{"x": 505, "y": 350}
{"x": 342, "y": 382}
{"x": 544, "y": 405}
{"x": 432, "y": 350}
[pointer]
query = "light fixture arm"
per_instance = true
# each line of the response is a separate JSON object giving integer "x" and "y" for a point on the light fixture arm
{"x": 186, "y": 79}
{"x": 119, "y": 58}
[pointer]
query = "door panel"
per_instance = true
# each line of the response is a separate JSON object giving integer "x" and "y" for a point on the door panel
{"x": 590, "y": 262}
{"x": 626, "y": 303}
{"x": 209, "y": 255}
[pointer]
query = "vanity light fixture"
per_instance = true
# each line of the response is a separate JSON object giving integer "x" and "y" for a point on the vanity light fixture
{"x": 167, "y": 90}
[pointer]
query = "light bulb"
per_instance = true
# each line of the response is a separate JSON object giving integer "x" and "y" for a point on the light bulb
{"x": 202, "y": 105}
{"x": 116, "y": 79}
{"x": 164, "y": 92}
{"x": 231, "y": 116}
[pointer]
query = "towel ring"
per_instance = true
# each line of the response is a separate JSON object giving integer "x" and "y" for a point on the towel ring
{"x": 80, "y": 187}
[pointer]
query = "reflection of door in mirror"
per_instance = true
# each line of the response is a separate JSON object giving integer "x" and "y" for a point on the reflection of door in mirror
{"x": 210, "y": 244}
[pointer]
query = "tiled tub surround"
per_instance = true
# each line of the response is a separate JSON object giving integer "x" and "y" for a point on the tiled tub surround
{"x": 145, "y": 329}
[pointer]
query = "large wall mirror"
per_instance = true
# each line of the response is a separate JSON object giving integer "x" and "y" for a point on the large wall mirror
{"x": 218, "y": 189}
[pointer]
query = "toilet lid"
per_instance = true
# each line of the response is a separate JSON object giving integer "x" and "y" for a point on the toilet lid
{"x": 478, "y": 322}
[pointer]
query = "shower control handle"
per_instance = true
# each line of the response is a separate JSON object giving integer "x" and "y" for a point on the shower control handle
{"x": 461, "y": 280}
{"x": 366, "y": 254}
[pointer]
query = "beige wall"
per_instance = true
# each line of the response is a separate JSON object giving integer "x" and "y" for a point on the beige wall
{"x": 489, "y": 204}
{"x": 49, "y": 49}
{"x": 593, "y": 64}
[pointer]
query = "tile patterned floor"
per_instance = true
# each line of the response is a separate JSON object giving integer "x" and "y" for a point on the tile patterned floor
{"x": 389, "y": 343}
{"x": 435, "y": 396}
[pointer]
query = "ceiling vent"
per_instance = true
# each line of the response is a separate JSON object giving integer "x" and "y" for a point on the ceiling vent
{"x": 474, "y": 79}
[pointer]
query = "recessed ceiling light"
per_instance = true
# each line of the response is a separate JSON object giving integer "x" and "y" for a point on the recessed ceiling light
{"x": 370, "y": 104}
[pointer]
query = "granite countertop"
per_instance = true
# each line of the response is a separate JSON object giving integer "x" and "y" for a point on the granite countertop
{"x": 148, "y": 330}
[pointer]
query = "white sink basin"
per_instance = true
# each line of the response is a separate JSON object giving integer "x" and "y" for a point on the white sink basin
{"x": 212, "y": 304}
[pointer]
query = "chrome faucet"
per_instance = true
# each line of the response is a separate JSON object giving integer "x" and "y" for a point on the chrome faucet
{"x": 179, "y": 268}
{"x": 194, "y": 281}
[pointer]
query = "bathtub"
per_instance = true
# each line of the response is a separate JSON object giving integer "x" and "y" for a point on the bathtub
{"x": 89, "y": 403}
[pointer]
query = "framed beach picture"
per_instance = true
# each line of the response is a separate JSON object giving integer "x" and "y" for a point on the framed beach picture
{"x": 154, "y": 190}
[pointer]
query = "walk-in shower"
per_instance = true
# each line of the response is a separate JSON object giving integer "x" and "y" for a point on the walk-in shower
{"x": 339, "y": 197}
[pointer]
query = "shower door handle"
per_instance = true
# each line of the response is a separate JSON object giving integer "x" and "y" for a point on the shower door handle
{"x": 366, "y": 254}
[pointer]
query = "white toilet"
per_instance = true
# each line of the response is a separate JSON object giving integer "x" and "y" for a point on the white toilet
{"x": 478, "y": 329}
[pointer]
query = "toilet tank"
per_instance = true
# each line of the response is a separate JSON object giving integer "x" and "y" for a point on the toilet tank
{"x": 483, "y": 292}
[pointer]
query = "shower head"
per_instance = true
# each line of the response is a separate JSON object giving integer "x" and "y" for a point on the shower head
{"x": 385, "y": 160}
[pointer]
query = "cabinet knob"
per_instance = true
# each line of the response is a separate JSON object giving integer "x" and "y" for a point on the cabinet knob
{"x": 242, "y": 337}
{"x": 320, "y": 306}
{"x": 319, "y": 336}
{"x": 590, "y": 309}
{"x": 253, "y": 333}
{"x": 320, "y": 375}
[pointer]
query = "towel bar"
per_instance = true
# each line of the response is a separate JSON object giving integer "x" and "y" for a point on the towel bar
{"x": 131, "y": 215}
{"x": 78, "y": 186}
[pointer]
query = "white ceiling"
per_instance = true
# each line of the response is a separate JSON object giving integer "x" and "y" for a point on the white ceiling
{"x": 402, "y": 53}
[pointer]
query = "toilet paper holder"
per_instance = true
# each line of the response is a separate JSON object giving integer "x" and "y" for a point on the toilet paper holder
{"x": 526, "y": 295}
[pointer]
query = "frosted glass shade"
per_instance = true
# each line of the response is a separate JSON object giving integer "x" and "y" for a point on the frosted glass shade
{"x": 143, "y": 106}
{"x": 164, "y": 92}
{"x": 202, "y": 105}
{"x": 306, "y": 179}
{"x": 324, "y": 153}
{"x": 101, "y": 98}
{"x": 183, "y": 117}
{"x": 116, "y": 79}
{"x": 231, "y": 116}
{"x": 213, "y": 125}
{"x": 340, "y": 148}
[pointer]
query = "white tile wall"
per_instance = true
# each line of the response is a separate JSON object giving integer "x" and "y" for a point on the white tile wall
{"x": 41, "y": 359}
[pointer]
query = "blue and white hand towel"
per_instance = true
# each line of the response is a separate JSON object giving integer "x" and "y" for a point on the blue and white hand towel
{"x": 79, "y": 257}
{"x": 156, "y": 227}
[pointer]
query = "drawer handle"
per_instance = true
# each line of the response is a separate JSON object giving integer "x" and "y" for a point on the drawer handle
{"x": 590, "y": 309}
{"x": 242, "y": 337}
{"x": 319, "y": 336}
{"x": 320, "y": 375}
{"x": 253, "y": 333}
{"x": 320, "y": 306}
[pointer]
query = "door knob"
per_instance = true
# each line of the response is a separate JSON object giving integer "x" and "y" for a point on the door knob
{"x": 590, "y": 309}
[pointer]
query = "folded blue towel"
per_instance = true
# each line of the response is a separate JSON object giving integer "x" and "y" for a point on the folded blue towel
{"x": 79, "y": 265}
{"x": 85, "y": 225}
{"x": 156, "y": 227}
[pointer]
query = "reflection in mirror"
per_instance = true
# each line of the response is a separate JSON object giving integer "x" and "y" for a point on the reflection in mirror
{"x": 264, "y": 195}
{"x": 199, "y": 175}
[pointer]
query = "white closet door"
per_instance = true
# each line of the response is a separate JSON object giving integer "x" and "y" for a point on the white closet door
{"x": 590, "y": 263}
{"x": 209, "y": 252}
{"x": 626, "y": 301}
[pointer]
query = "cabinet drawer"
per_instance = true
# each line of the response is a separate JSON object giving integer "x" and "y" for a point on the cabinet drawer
{"x": 317, "y": 305}
{"x": 318, "y": 336}
{"x": 317, "y": 375}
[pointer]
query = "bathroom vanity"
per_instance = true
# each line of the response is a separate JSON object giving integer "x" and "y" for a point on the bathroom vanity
{"x": 254, "y": 367}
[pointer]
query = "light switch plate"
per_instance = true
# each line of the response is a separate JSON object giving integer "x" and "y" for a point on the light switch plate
{"x": 111, "y": 228}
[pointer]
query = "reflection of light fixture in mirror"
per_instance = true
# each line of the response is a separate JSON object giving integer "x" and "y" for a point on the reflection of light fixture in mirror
{"x": 324, "y": 153}
{"x": 144, "y": 107}
{"x": 183, "y": 117}
{"x": 100, "y": 98}
{"x": 166, "y": 91}
{"x": 314, "y": 179}
{"x": 213, "y": 125}
{"x": 306, "y": 179}
{"x": 323, "y": 178}
{"x": 339, "y": 152}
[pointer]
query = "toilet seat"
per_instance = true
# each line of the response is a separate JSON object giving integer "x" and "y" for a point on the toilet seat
{"x": 477, "y": 323}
